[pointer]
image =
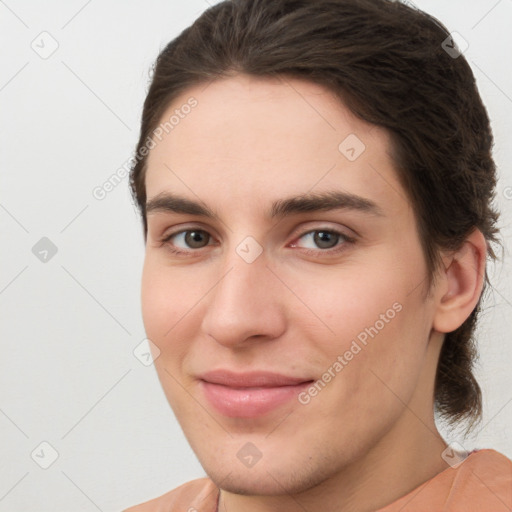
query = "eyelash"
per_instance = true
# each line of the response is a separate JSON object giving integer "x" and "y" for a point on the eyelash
{"x": 312, "y": 252}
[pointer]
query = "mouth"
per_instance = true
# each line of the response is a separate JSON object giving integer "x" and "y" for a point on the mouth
{"x": 249, "y": 395}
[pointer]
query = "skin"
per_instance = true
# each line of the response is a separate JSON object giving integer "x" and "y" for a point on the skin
{"x": 368, "y": 437}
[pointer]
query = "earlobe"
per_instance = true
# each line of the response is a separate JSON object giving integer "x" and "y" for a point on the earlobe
{"x": 461, "y": 283}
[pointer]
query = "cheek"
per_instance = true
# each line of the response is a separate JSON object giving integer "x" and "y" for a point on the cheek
{"x": 390, "y": 337}
{"x": 348, "y": 301}
{"x": 153, "y": 301}
{"x": 375, "y": 314}
{"x": 166, "y": 298}
{"x": 174, "y": 302}
{"x": 378, "y": 372}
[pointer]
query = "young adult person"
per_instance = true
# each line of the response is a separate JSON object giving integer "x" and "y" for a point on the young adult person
{"x": 315, "y": 180}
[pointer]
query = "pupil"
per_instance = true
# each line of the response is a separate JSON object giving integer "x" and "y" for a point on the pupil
{"x": 194, "y": 237}
{"x": 323, "y": 237}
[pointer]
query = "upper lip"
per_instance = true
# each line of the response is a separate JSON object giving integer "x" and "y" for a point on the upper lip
{"x": 263, "y": 379}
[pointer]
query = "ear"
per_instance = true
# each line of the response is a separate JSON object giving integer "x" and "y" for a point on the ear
{"x": 460, "y": 283}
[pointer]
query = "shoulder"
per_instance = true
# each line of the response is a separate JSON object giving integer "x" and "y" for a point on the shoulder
{"x": 488, "y": 458}
{"x": 485, "y": 469}
{"x": 195, "y": 496}
{"x": 481, "y": 482}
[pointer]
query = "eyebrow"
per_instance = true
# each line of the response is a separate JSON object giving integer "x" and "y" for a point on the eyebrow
{"x": 309, "y": 202}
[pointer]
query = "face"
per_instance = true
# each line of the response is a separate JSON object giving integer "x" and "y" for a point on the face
{"x": 289, "y": 343}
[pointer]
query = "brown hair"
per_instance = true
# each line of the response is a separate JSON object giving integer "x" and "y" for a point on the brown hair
{"x": 388, "y": 64}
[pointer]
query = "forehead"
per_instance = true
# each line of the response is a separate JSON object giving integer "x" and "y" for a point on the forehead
{"x": 249, "y": 137}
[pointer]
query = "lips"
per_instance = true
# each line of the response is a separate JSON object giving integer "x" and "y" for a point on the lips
{"x": 251, "y": 394}
{"x": 250, "y": 379}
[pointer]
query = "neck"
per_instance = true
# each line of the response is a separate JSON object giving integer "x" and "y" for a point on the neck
{"x": 385, "y": 474}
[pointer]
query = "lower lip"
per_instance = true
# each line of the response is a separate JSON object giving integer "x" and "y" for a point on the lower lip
{"x": 249, "y": 402}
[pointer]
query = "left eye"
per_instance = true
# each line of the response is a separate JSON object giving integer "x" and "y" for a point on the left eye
{"x": 325, "y": 239}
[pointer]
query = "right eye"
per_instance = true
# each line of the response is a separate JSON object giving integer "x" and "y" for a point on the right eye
{"x": 191, "y": 238}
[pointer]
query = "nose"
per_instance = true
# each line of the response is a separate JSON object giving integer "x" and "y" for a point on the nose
{"x": 246, "y": 303}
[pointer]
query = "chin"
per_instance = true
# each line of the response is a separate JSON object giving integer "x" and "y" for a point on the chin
{"x": 268, "y": 480}
{"x": 249, "y": 483}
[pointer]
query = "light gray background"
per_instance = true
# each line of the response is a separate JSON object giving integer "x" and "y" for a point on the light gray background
{"x": 68, "y": 375}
